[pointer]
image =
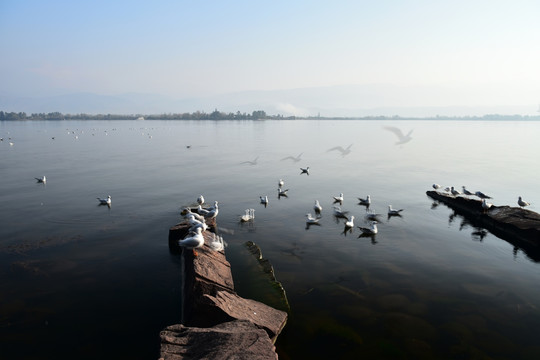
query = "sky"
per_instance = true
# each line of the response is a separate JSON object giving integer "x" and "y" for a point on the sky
{"x": 482, "y": 52}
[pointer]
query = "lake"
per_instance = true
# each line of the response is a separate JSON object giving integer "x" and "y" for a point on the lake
{"x": 81, "y": 280}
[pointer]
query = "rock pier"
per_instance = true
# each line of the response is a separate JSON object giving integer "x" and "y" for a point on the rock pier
{"x": 216, "y": 322}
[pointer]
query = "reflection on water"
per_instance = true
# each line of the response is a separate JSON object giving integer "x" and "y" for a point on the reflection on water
{"x": 91, "y": 282}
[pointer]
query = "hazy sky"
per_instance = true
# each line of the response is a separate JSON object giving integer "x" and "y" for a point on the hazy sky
{"x": 199, "y": 48}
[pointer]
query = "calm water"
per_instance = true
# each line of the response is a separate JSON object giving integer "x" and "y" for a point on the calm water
{"x": 85, "y": 281}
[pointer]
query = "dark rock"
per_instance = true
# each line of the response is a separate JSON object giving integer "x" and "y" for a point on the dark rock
{"x": 237, "y": 339}
{"x": 518, "y": 226}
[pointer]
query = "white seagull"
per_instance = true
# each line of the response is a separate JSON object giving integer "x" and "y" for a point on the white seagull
{"x": 481, "y": 195}
{"x": 264, "y": 200}
{"x": 281, "y": 183}
{"x": 366, "y": 201}
{"x": 522, "y": 203}
{"x": 338, "y": 199}
{"x": 317, "y": 207}
{"x": 371, "y": 230}
{"x": 485, "y": 205}
{"x": 392, "y": 212}
{"x": 340, "y": 213}
{"x": 194, "y": 241}
{"x": 248, "y": 216}
{"x": 200, "y": 200}
{"x": 42, "y": 179}
{"x": 187, "y": 212}
{"x": 454, "y": 191}
{"x": 311, "y": 220}
{"x": 436, "y": 186}
{"x": 350, "y": 222}
{"x": 217, "y": 243}
{"x": 295, "y": 159}
{"x": 467, "y": 192}
{"x": 106, "y": 201}
{"x": 402, "y": 138}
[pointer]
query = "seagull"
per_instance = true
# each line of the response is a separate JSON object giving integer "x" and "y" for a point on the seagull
{"x": 371, "y": 230}
{"x": 282, "y": 192}
{"x": 202, "y": 211}
{"x": 343, "y": 151}
{"x": 187, "y": 212}
{"x": 401, "y": 137}
{"x": 248, "y": 216}
{"x": 481, "y": 195}
{"x": 281, "y": 183}
{"x": 200, "y": 200}
{"x": 486, "y": 205}
{"x": 338, "y": 199}
{"x": 311, "y": 220}
{"x": 454, "y": 191}
{"x": 522, "y": 203}
{"x": 366, "y": 201}
{"x": 106, "y": 201}
{"x": 295, "y": 159}
{"x": 466, "y": 192}
{"x": 217, "y": 243}
{"x": 350, "y": 222}
{"x": 42, "y": 179}
{"x": 304, "y": 170}
{"x": 371, "y": 215}
{"x": 213, "y": 212}
{"x": 253, "y": 162}
{"x": 193, "y": 242}
{"x": 436, "y": 186}
{"x": 393, "y": 212}
{"x": 317, "y": 207}
{"x": 340, "y": 213}
{"x": 196, "y": 223}
{"x": 264, "y": 200}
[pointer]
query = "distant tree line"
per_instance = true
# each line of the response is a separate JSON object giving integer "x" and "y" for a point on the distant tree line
{"x": 197, "y": 115}
{"x": 255, "y": 115}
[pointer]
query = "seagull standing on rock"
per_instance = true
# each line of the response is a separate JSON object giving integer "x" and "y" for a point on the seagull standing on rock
{"x": 194, "y": 241}
{"x": 481, "y": 195}
{"x": 454, "y": 191}
{"x": 522, "y": 203}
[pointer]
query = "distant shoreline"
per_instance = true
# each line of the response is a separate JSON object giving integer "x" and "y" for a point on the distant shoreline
{"x": 255, "y": 115}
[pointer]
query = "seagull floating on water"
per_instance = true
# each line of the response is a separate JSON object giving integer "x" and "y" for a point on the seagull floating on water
{"x": 393, "y": 212}
{"x": 371, "y": 230}
{"x": 522, "y": 203}
{"x": 340, "y": 213}
{"x": 106, "y": 201}
{"x": 338, "y": 199}
{"x": 304, "y": 170}
{"x": 350, "y": 222}
{"x": 371, "y": 215}
{"x": 311, "y": 220}
{"x": 317, "y": 207}
{"x": 282, "y": 192}
{"x": 281, "y": 183}
{"x": 248, "y": 216}
{"x": 366, "y": 201}
{"x": 264, "y": 200}
{"x": 42, "y": 179}
{"x": 193, "y": 242}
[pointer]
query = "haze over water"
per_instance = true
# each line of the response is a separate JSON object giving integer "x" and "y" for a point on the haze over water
{"x": 88, "y": 281}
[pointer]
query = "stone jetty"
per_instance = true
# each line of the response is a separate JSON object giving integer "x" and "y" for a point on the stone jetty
{"x": 520, "y": 227}
{"x": 216, "y": 322}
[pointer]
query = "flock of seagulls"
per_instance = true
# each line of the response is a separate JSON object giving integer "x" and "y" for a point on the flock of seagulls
{"x": 483, "y": 197}
{"x": 197, "y": 222}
